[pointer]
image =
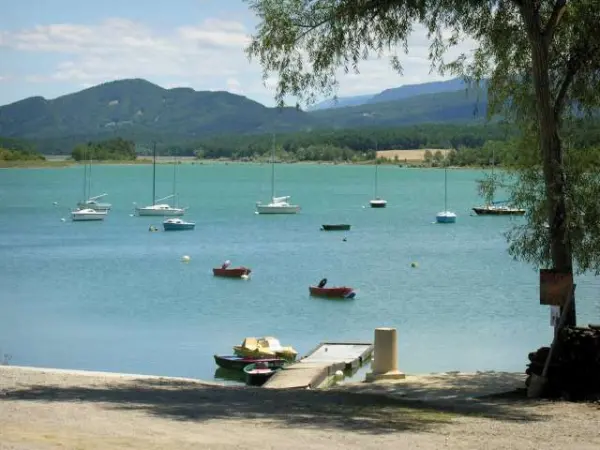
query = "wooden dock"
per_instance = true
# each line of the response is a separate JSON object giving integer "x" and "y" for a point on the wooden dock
{"x": 321, "y": 363}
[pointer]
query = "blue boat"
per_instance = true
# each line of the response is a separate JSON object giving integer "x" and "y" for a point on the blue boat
{"x": 176, "y": 224}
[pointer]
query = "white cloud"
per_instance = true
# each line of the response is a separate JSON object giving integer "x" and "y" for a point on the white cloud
{"x": 208, "y": 55}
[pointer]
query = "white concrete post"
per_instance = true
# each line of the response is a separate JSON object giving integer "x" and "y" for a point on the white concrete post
{"x": 385, "y": 362}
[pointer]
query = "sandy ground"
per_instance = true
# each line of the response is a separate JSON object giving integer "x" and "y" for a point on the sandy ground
{"x": 49, "y": 409}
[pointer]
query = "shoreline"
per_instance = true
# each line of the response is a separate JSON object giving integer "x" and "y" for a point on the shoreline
{"x": 64, "y": 164}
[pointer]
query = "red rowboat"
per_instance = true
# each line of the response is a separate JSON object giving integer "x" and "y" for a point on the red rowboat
{"x": 233, "y": 272}
{"x": 332, "y": 292}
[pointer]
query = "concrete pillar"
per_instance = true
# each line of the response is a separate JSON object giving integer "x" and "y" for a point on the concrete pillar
{"x": 385, "y": 362}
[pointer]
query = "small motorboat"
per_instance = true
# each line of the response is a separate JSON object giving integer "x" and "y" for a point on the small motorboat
{"x": 258, "y": 374}
{"x": 265, "y": 347}
{"x": 231, "y": 272}
{"x": 232, "y": 362}
{"x": 378, "y": 203}
{"x": 178, "y": 225}
{"x": 336, "y": 227}
{"x": 498, "y": 210}
{"x": 331, "y": 292}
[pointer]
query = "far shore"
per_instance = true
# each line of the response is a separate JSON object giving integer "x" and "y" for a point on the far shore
{"x": 51, "y": 408}
{"x": 61, "y": 162}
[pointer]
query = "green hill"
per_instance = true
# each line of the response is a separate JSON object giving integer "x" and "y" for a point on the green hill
{"x": 138, "y": 110}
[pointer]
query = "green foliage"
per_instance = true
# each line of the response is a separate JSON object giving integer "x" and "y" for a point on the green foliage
{"x": 113, "y": 149}
{"x": 18, "y": 150}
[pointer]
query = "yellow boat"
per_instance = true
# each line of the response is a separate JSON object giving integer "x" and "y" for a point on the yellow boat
{"x": 265, "y": 347}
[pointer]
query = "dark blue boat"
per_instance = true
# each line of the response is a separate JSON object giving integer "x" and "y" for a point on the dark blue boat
{"x": 177, "y": 224}
{"x": 232, "y": 362}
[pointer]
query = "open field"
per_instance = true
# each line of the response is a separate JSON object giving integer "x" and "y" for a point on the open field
{"x": 409, "y": 155}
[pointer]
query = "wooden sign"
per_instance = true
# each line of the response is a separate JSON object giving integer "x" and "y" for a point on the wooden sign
{"x": 555, "y": 287}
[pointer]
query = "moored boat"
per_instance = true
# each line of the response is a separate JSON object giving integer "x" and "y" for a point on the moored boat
{"x": 177, "y": 225}
{"x": 332, "y": 292}
{"x": 265, "y": 347}
{"x": 258, "y": 374}
{"x": 336, "y": 227}
{"x": 231, "y": 272}
{"x": 498, "y": 210}
{"x": 233, "y": 362}
{"x": 87, "y": 215}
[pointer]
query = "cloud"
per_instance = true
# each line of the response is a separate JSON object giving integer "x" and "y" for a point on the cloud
{"x": 207, "y": 55}
{"x": 121, "y": 48}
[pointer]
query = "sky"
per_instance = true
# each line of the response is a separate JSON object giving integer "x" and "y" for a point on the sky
{"x": 55, "y": 47}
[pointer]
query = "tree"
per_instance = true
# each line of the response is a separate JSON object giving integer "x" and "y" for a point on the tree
{"x": 544, "y": 55}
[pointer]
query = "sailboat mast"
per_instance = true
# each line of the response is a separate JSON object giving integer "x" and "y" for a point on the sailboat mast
{"x": 154, "y": 174}
{"x": 376, "y": 169}
{"x": 445, "y": 189}
{"x": 493, "y": 179}
{"x": 273, "y": 168}
{"x": 175, "y": 180}
{"x": 89, "y": 193}
{"x": 84, "y": 174}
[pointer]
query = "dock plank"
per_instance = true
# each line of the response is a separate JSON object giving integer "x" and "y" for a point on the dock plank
{"x": 320, "y": 363}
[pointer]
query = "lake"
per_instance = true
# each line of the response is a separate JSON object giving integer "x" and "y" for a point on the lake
{"x": 112, "y": 296}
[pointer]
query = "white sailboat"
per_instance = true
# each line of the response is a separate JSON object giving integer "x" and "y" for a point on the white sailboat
{"x": 91, "y": 202}
{"x": 496, "y": 208}
{"x": 87, "y": 215}
{"x": 157, "y": 208}
{"x": 278, "y": 205}
{"x": 445, "y": 216}
{"x": 377, "y": 202}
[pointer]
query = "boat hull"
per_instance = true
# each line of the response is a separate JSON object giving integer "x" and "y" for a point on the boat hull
{"x": 88, "y": 215}
{"x": 495, "y": 211}
{"x": 146, "y": 212}
{"x": 332, "y": 292}
{"x": 336, "y": 227}
{"x": 257, "y": 377}
{"x": 232, "y": 362}
{"x": 378, "y": 203}
{"x": 234, "y": 272}
{"x": 178, "y": 226}
{"x": 445, "y": 217}
{"x": 268, "y": 209}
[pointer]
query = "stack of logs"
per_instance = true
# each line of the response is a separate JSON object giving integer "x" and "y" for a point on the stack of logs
{"x": 574, "y": 372}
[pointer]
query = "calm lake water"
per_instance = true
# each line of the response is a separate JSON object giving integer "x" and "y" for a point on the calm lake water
{"x": 112, "y": 296}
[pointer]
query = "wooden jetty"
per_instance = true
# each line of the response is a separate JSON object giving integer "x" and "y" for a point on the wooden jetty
{"x": 320, "y": 363}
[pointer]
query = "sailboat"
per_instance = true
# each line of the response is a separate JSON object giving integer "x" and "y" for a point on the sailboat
{"x": 86, "y": 213}
{"x": 278, "y": 205}
{"x": 157, "y": 208}
{"x": 377, "y": 202}
{"x": 445, "y": 216}
{"x": 496, "y": 208}
{"x": 91, "y": 202}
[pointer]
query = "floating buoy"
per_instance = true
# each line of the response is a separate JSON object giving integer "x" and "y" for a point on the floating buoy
{"x": 414, "y": 264}
{"x": 63, "y": 219}
{"x": 130, "y": 215}
{"x": 185, "y": 258}
{"x": 344, "y": 240}
{"x": 55, "y": 203}
{"x": 245, "y": 277}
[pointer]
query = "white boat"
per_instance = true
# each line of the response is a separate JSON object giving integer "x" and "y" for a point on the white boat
{"x": 278, "y": 205}
{"x": 91, "y": 202}
{"x": 377, "y": 202}
{"x": 157, "y": 208}
{"x": 496, "y": 208}
{"x": 87, "y": 215}
{"x": 445, "y": 216}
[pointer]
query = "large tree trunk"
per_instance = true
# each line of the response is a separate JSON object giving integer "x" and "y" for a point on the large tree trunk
{"x": 553, "y": 164}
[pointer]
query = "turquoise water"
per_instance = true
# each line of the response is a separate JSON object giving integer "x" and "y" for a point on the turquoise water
{"x": 112, "y": 296}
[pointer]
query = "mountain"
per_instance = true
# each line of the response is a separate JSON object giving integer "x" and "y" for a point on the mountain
{"x": 388, "y": 95}
{"x": 141, "y": 111}
{"x": 447, "y": 107}
{"x": 138, "y": 106}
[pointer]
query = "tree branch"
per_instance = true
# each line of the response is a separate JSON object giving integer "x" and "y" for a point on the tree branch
{"x": 559, "y": 9}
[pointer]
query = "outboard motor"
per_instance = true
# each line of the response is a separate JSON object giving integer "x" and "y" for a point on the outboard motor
{"x": 323, "y": 282}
